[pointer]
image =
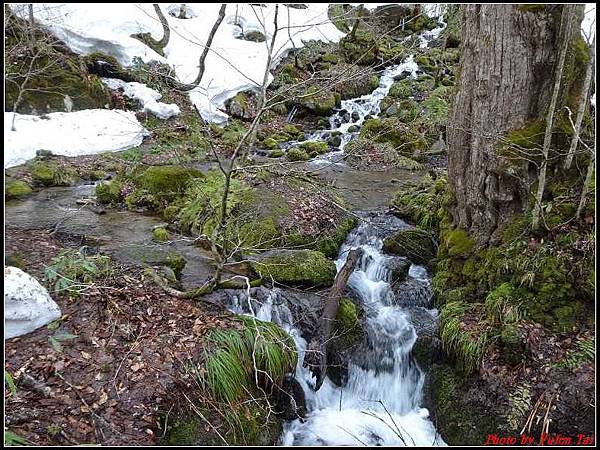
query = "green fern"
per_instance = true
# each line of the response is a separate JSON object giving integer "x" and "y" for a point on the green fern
{"x": 584, "y": 352}
{"x": 469, "y": 345}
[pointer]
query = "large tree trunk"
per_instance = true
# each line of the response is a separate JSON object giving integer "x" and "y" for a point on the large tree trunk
{"x": 507, "y": 71}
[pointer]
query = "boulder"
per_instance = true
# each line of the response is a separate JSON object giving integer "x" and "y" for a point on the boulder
{"x": 412, "y": 242}
{"x": 413, "y": 293}
{"x": 295, "y": 267}
{"x": 398, "y": 267}
{"x": 27, "y": 304}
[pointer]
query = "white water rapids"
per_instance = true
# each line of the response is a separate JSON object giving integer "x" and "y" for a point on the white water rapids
{"x": 380, "y": 403}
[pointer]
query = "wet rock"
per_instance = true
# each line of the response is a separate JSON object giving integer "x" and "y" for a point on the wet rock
{"x": 353, "y": 129}
{"x": 355, "y": 116}
{"x": 398, "y": 267}
{"x": 428, "y": 346}
{"x": 413, "y": 243}
{"x": 27, "y": 304}
{"x": 290, "y": 399}
{"x": 413, "y": 292}
{"x": 295, "y": 267}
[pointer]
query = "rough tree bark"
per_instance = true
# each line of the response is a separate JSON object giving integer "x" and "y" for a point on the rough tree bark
{"x": 583, "y": 101}
{"x": 316, "y": 354}
{"x": 506, "y": 77}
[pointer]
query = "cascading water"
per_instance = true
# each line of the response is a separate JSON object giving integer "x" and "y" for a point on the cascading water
{"x": 353, "y": 112}
{"x": 379, "y": 403}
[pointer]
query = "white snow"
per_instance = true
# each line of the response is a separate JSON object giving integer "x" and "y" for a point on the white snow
{"x": 84, "y": 132}
{"x": 148, "y": 97}
{"x": 232, "y": 65}
{"x": 27, "y": 304}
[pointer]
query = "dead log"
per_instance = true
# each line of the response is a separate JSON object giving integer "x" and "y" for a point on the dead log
{"x": 316, "y": 352}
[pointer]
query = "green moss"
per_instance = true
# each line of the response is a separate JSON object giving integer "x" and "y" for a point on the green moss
{"x": 176, "y": 261}
{"x": 400, "y": 89}
{"x": 203, "y": 199}
{"x": 347, "y": 328}
{"x": 50, "y": 81}
{"x": 165, "y": 183}
{"x": 160, "y": 235}
{"x": 16, "y": 189}
{"x": 276, "y": 153}
{"x": 109, "y": 191}
{"x": 297, "y": 154}
{"x": 296, "y": 267}
{"x": 391, "y": 130}
{"x": 313, "y": 148}
{"x": 361, "y": 49}
{"x": 271, "y": 143}
{"x": 458, "y": 242}
{"x": 49, "y": 173}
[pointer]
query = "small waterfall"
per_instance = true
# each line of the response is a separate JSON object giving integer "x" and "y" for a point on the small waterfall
{"x": 380, "y": 402}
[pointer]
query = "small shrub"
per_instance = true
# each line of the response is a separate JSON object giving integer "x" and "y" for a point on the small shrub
{"x": 72, "y": 271}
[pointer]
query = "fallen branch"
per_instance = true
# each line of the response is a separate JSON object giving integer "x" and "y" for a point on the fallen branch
{"x": 316, "y": 353}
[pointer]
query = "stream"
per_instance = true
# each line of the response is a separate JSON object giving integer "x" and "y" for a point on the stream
{"x": 380, "y": 401}
{"x": 379, "y": 404}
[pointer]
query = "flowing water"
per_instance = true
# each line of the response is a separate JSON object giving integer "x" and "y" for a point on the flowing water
{"x": 380, "y": 402}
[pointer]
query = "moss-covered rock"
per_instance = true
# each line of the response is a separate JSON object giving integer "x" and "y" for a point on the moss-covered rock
{"x": 16, "y": 189}
{"x": 295, "y": 267}
{"x": 362, "y": 48}
{"x": 55, "y": 80}
{"x": 414, "y": 243}
{"x": 160, "y": 234}
{"x": 394, "y": 132}
{"x": 50, "y": 173}
{"x": 297, "y": 154}
{"x": 347, "y": 328}
{"x": 165, "y": 183}
{"x": 109, "y": 191}
{"x": 313, "y": 148}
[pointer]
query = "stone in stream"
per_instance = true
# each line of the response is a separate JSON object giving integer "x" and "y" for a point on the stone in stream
{"x": 355, "y": 116}
{"x": 412, "y": 242}
{"x": 27, "y": 304}
{"x": 412, "y": 293}
{"x": 398, "y": 267}
{"x": 427, "y": 349}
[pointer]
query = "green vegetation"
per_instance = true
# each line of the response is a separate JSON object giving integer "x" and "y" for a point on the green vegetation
{"x": 467, "y": 339}
{"x": 297, "y": 154}
{"x": 347, "y": 328}
{"x": 50, "y": 173}
{"x": 73, "y": 270}
{"x": 296, "y": 267}
{"x": 412, "y": 242}
{"x": 16, "y": 189}
{"x": 109, "y": 191}
{"x": 160, "y": 234}
{"x": 260, "y": 350}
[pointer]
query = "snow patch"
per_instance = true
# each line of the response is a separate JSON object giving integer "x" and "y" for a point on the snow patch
{"x": 148, "y": 97}
{"x": 232, "y": 65}
{"x": 27, "y": 304}
{"x": 76, "y": 133}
